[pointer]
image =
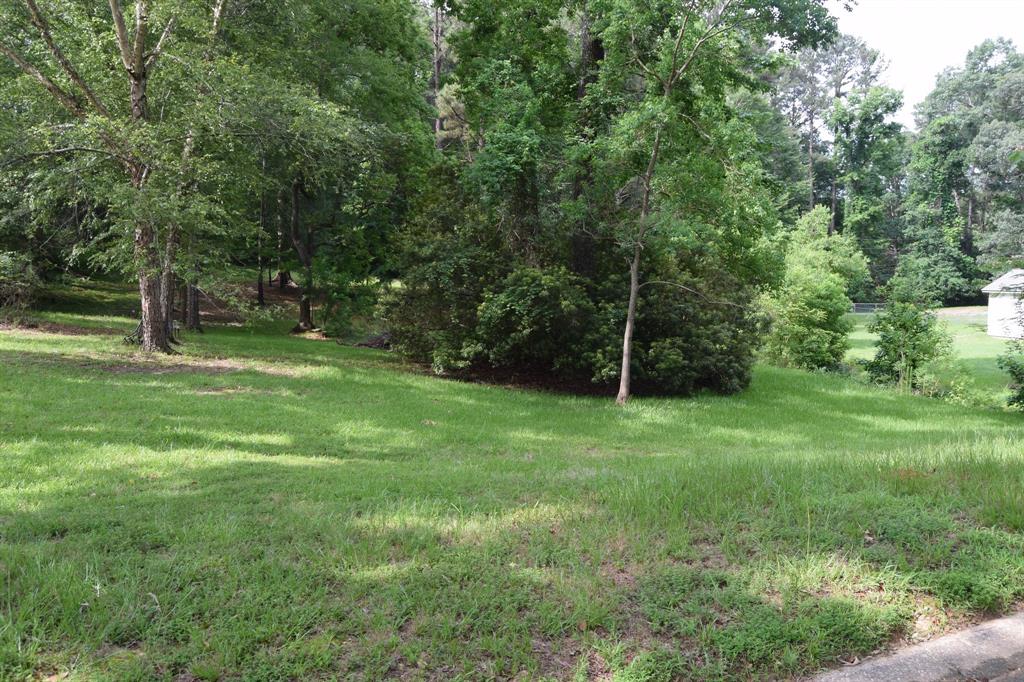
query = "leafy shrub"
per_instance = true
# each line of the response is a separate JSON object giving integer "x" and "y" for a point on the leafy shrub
{"x": 18, "y": 285}
{"x": 929, "y": 279}
{"x": 838, "y": 252}
{"x": 809, "y": 328}
{"x": 1012, "y": 362}
{"x": 535, "y": 317}
{"x": 479, "y": 292}
{"x": 809, "y": 324}
{"x": 909, "y": 337}
{"x": 687, "y": 339}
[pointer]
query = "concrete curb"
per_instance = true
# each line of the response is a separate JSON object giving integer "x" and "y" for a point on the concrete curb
{"x": 992, "y": 652}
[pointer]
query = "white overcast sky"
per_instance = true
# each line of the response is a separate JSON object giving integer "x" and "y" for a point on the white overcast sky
{"x": 920, "y": 38}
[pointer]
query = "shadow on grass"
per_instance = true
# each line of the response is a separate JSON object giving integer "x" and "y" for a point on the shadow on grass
{"x": 352, "y": 520}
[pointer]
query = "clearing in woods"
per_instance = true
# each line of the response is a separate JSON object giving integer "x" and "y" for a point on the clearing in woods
{"x": 264, "y": 506}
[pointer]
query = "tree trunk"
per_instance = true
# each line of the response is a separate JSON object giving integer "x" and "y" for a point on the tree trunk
{"x": 167, "y": 282}
{"x": 438, "y": 37}
{"x": 810, "y": 161}
{"x": 281, "y": 281}
{"x": 968, "y": 240}
{"x": 581, "y": 243}
{"x": 152, "y": 329}
{"x": 193, "y": 320}
{"x": 167, "y": 289}
{"x": 625, "y": 375}
{"x": 832, "y": 220}
{"x": 304, "y": 249}
{"x": 183, "y": 297}
{"x": 306, "y": 304}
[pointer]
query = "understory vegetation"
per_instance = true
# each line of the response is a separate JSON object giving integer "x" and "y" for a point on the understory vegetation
{"x": 262, "y": 506}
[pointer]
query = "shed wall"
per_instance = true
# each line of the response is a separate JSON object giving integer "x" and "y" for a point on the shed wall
{"x": 1003, "y": 316}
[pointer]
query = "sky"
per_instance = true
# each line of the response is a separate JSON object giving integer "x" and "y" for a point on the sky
{"x": 920, "y": 38}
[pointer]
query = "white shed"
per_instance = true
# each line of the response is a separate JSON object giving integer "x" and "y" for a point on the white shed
{"x": 1006, "y": 305}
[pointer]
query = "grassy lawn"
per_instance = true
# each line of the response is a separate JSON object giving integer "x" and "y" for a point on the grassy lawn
{"x": 266, "y": 507}
{"x": 975, "y": 350}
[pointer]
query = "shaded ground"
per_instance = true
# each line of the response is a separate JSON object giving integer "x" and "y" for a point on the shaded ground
{"x": 267, "y": 507}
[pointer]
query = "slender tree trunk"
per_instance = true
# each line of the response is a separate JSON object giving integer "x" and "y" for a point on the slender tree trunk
{"x": 832, "y": 220}
{"x": 193, "y": 319}
{"x": 625, "y": 373}
{"x": 167, "y": 282}
{"x": 183, "y": 297}
{"x": 306, "y": 302}
{"x": 282, "y": 275}
{"x": 968, "y": 242}
{"x": 438, "y": 37}
{"x": 303, "y": 247}
{"x": 810, "y": 162}
{"x": 168, "y": 287}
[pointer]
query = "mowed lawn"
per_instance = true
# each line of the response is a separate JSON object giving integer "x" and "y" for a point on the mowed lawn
{"x": 976, "y": 351}
{"x": 264, "y": 508}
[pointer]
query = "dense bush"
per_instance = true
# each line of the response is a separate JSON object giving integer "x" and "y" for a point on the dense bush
{"x": 18, "y": 284}
{"x": 909, "y": 337}
{"x": 534, "y": 317}
{"x": 809, "y": 328}
{"x": 809, "y": 324}
{"x": 469, "y": 300}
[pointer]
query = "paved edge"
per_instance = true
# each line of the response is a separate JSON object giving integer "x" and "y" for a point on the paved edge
{"x": 990, "y": 651}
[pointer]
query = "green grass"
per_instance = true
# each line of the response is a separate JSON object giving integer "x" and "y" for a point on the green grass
{"x": 976, "y": 352}
{"x": 264, "y": 507}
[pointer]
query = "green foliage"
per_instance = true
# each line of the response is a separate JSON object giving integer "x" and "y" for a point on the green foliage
{"x": 18, "y": 285}
{"x": 533, "y": 318}
{"x": 909, "y": 337}
{"x": 927, "y": 278}
{"x": 808, "y": 313}
{"x": 809, "y": 320}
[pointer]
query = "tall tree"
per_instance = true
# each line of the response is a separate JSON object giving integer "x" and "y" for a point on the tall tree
{"x": 672, "y": 51}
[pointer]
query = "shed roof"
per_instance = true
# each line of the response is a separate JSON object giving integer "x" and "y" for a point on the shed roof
{"x": 1011, "y": 281}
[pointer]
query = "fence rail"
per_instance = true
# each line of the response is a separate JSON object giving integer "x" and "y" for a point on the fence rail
{"x": 867, "y": 307}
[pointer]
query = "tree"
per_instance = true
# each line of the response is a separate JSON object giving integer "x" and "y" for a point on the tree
{"x": 818, "y": 80}
{"x": 909, "y": 337}
{"x": 809, "y": 311}
{"x": 869, "y": 153}
{"x": 97, "y": 127}
{"x": 670, "y": 52}
{"x": 964, "y": 186}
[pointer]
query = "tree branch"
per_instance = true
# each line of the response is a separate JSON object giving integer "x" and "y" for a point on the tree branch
{"x": 57, "y": 152}
{"x": 139, "y": 49}
{"x": 154, "y": 55}
{"x": 43, "y": 25}
{"x": 65, "y": 98}
{"x": 122, "y": 34}
{"x": 692, "y": 291}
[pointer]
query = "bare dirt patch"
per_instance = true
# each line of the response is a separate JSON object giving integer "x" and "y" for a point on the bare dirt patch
{"x": 557, "y": 659}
